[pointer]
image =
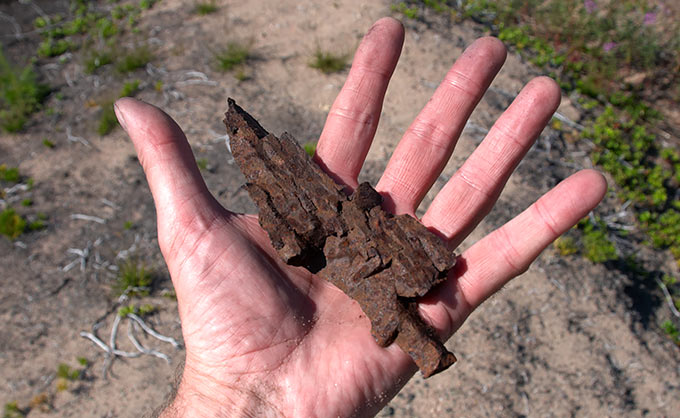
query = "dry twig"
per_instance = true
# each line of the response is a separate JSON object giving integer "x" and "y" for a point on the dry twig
{"x": 669, "y": 298}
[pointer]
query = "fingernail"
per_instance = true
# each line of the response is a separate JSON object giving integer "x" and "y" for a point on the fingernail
{"x": 121, "y": 117}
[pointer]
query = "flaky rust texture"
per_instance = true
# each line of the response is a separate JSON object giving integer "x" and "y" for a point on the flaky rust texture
{"x": 382, "y": 261}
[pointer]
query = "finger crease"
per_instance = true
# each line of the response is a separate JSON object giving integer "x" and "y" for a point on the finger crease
{"x": 361, "y": 69}
{"x": 431, "y": 134}
{"x": 507, "y": 133}
{"x": 463, "y": 83}
{"x": 544, "y": 215}
{"x": 478, "y": 186}
{"x": 507, "y": 249}
{"x": 404, "y": 188}
{"x": 361, "y": 117}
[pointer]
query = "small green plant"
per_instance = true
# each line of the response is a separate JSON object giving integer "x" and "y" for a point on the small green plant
{"x": 37, "y": 225}
{"x": 410, "y": 12}
{"x": 20, "y": 95}
{"x": 327, "y": 62}
{"x": 310, "y": 148}
{"x": 133, "y": 59}
{"x": 143, "y": 310}
{"x": 158, "y": 86}
{"x": 9, "y": 174}
{"x": 202, "y": 164}
{"x": 205, "y": 8}
{"x": 232, "y": 56}
{"x": 130, "y": 88}
{"x": 12, "y": 410}
{"x": 671, "y": 330}
{"x": 133, "y": 278}
{"x": 169, "y": 293}
{"x": 64, "y": 371}
{"x": 146, "y": 309}
{"x": 566, "y": 245}
{"x": 147, "y": 4}
{"x": 11, "y": 224}
{"x": 128, "y": 225}
{"x": 27, "y": 202}
{"x": 107, "y": 119}
{"x": 47, "y": 143}
{"x": 51, "y": 47}
{"x": 65, "y": 375}
{"x": 124, "y": 311}
{"x": 596, "y": 245}
{"x": 241, "y": 75}
{"x": 98, "y": 59}
{"x": 83, "y": 361}
{"x": 61, "y": 385}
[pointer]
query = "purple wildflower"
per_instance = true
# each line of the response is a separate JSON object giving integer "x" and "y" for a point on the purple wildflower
{"x": 590, "y": 5}
{"x": 650, "y": 18}
{"x": 609, "y": 46}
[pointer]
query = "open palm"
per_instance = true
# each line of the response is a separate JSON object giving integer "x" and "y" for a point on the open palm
{"x": 264, "y": 338}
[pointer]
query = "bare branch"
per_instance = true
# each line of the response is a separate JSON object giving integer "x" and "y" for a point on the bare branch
{"x": 669, "y": 298}
{"x": 88, "y": 218}
{"x": 140, "y": 347}
{"x": 151, "y": 332}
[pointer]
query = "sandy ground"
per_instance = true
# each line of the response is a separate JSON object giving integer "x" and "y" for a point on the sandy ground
{"x": 567, "y": 338}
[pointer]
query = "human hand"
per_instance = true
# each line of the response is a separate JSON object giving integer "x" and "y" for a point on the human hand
{"x": 264, "y": 338}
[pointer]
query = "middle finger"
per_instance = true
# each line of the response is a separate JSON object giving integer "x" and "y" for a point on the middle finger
{"x": 428, "y": 143}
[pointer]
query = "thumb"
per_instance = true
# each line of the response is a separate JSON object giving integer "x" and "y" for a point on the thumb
{"x": 180, "y": 194}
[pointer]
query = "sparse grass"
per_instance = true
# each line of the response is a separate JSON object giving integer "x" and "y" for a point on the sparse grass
{"x": 66, "y": 375}
{"x": 37, "y": 225}
{"x": 12, "y": 410}
{"x": 134, "y": 59}
{"x": 133, "y": 278}
{"x": 205, "y": 8}
{"x": 11, "y": 224}
{"x": 130, "y": 88}
{"x": 128, "y": 225}
{"x": 27, "y": 202}
{"x": 671, "y": 330}
{"x": 410, "y": 12}
{"x": 47, "y": 143}
{"x": 241, "y": 75}
{"x": 20, "y": 95}
{"x": 61, "y": 385}
{"x": 327, "y": 62}
{"x": 51, "y": 47}
{"x": 64, "y": 371}
{"x": 9, "y": 174}
{"x": 98, "y": 59}
{"x": 40, "y": 402}
{"x": 107, "y": 119}
{"x": 233, "y": 55}
{"x": 142, "y": 310}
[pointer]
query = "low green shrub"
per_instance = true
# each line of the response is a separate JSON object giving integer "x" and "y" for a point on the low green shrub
{"x": 328, "y": 63}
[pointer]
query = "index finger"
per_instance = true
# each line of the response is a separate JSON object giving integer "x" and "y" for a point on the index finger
{"x": 353, "y": 118}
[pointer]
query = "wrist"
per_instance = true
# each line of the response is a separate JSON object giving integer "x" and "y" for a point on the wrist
{"x": 199, "y": 395}
{"x": 195, "y": 398}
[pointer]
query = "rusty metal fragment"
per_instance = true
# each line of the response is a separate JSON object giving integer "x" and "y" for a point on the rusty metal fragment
{"x": 382, "y": 261}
